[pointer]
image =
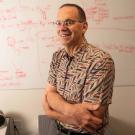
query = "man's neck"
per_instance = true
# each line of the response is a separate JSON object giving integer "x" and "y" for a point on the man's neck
{"x": 72, "y": 49}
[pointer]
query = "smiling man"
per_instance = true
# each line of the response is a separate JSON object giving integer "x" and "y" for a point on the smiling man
{"x": 81, "y": 76}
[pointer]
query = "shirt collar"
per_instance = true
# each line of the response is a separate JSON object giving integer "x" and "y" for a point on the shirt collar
{"x": 79, "y": 52}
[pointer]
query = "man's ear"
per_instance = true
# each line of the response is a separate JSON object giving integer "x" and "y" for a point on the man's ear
{"x": 85, "y": 27}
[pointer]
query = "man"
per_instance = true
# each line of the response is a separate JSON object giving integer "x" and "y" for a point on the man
{"x": 81, "y": 77}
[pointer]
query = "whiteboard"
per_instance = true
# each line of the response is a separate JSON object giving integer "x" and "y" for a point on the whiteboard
{"x": 28, "y": 38}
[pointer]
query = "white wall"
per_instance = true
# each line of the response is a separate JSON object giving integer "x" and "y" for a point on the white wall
{"x": 123, "y": 111}
{"x": 25, "y": 106}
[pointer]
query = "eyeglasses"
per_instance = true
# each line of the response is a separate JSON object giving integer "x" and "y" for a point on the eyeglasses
{"x": 67, "y": 22}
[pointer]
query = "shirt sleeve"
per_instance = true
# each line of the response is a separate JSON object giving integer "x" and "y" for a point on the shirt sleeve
{"x": 99, "y": 82}
{"x": 53, "y": 70}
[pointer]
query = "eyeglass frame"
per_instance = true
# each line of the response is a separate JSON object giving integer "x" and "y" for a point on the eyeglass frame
{"x": 67, "y": 22}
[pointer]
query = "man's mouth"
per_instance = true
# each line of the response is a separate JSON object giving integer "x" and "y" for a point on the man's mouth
{"x": 65, "y": 34}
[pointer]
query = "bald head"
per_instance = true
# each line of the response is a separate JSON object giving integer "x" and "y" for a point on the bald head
{"x": 81, "y": 13}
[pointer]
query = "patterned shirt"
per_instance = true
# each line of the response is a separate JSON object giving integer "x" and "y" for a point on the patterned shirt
{"x": 86, "y": 76}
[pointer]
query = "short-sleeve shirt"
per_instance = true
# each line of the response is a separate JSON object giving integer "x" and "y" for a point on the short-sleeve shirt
{"x": 87, "y": 76}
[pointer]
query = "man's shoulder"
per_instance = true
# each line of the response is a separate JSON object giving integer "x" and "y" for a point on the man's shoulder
{"x": 59, "y": 53}
{"x": 98, "y": 53}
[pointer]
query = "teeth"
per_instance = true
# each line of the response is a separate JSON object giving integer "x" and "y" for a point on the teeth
{"x": 64, "y": 35}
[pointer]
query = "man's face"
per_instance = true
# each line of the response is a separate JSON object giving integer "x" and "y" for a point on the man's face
{"x": 70, "y": 33}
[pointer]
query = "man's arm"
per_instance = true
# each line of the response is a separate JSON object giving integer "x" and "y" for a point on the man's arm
{"x": 82, "y": 114}
{"x": 57, "y": 102}
{"x": 56, "y": 115}
{"x": 99, "y": 113}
